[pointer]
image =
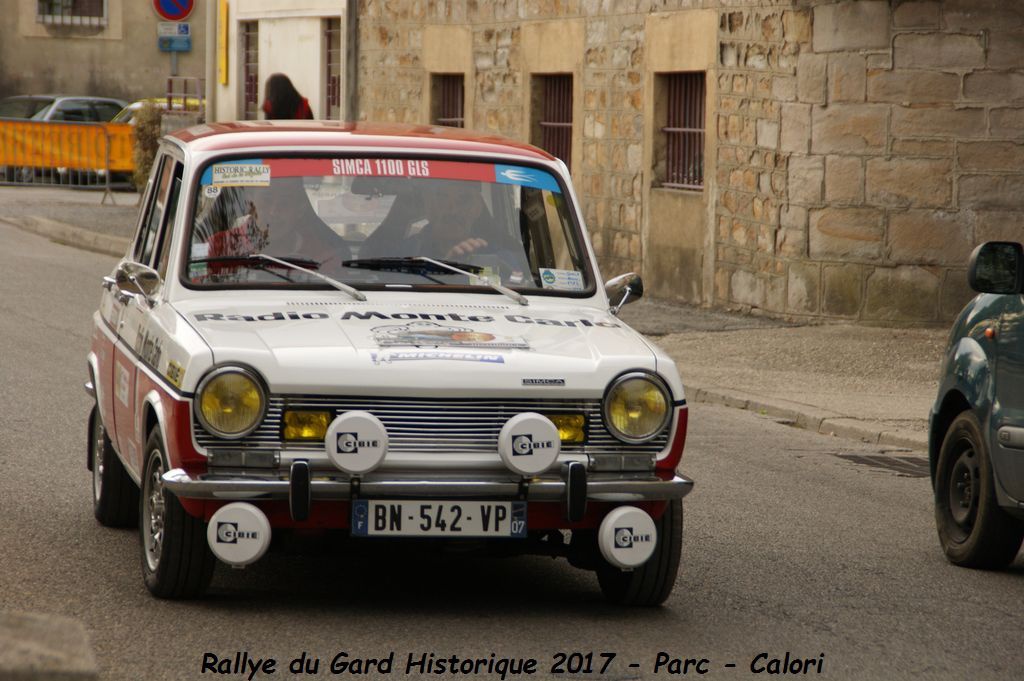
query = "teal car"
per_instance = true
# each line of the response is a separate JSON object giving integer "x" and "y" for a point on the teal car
{"x": 976, "y": 435}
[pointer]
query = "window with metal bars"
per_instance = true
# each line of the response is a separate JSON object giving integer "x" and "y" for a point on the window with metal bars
{"x": 552, "y": 115}
{"x": 447, "y": 99}
{"x": 72, "y": 12}
{"x": 679, "y": 159}
{"x": 250, "y": 44}
{"x": 333, "y": 62}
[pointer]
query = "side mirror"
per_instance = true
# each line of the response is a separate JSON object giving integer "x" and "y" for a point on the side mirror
{"x": 623, "y": 289}
{"x": 133, "y": 278}
{"x": 997, "y": 267}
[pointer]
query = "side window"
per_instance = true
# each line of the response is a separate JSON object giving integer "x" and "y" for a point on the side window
{"x": 106, "y": 110}
{"x": 145, "y": 240}
{"x": 167, "y": 233}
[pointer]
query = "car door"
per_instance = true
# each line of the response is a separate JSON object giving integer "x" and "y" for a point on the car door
{"x": 1007, "y": 424}
{"x": 136, "y": 348}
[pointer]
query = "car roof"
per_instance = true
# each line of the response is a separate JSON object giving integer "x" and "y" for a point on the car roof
{"x": 46, "y": 96}
{"x": 240, "y": 135}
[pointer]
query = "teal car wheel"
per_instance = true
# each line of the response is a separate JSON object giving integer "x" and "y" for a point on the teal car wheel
{"x": 973, "y": 530}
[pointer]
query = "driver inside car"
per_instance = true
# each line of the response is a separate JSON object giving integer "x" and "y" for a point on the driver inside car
{"x": 458, "y": 227}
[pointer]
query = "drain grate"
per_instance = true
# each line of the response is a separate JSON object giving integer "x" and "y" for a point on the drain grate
{"x": 906, "y": 466}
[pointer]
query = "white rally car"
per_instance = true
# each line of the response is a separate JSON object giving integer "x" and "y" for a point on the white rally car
{"x": 392, "y": 331}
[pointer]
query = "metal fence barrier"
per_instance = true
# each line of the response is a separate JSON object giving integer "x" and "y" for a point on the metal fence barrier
{"x": 97, "y": 155}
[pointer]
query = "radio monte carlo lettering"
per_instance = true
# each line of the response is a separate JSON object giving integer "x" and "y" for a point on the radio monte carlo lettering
{"x": 291, "y": 315}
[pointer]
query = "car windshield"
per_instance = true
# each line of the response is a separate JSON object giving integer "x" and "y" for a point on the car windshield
{"x": 375, "y": 222}
{"x": 23, "y": 107}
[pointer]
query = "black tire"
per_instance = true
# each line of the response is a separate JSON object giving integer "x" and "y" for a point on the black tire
{"x": 973, "y": 530}
{"x": 115, "y": 497}
{"x": 176, "y": 561}
{"x": 652, "y": 582}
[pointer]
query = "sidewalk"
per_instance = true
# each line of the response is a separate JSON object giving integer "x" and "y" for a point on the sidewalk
{"x": 868, "y": 383}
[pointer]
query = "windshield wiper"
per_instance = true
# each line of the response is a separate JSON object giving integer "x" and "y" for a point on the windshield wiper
{"x": 298, "y": 264}
{"x": 421, "y": 264}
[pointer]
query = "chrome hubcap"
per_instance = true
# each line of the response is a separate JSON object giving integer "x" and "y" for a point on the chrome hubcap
{"x": 153, "y": 514}
{"x": 97, "y": 459}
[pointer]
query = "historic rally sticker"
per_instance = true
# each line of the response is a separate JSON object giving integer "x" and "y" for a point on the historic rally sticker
{"x": 241, "y": 175}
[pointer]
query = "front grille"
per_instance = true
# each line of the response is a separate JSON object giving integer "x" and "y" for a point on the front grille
{"x": 431, "y": 425}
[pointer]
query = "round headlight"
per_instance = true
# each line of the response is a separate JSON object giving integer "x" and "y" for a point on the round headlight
{"x": 230, "y": 402}
{"x": 636, "y": 407}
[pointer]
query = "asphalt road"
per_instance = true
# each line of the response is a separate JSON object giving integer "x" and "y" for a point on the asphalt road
{"x": 795, "y": 542}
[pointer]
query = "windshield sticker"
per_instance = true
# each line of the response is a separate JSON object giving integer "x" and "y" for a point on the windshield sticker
{"x": 240, "y": 175}
{"x": 428, "y": 355}
{"x": 431, "y": 334}
{"x": 562, "y": 280}
{"x": 526, "y": 177}
{"x": 245, "y": 173}
{"x": 211, "y": 191}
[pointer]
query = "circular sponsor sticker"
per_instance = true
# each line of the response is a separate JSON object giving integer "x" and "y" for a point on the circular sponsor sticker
{"x": 238, "y": 533}
{"x": 548, "y": 276}
{"x": 356, "y": 442}
{"x": 529, "y": 443}
{"x": 211, "y": 191}
{"x": 627, "y": 537}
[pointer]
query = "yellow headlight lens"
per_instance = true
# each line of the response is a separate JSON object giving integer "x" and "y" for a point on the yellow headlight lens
{"x": 306, "y": 425}
{"x": 571, "y": 427}
{"x": 231, "y": 404}
{"x": 636, "y": 408}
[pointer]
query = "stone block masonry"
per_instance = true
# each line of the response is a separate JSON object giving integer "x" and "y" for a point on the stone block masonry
{"x": 859, "y": 149}
{"x": 902, "y": 139}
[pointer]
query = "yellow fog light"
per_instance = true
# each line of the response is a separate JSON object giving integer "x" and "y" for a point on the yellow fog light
{"x": 230, "y": 402}
{"x": 306, "y": 425}
{"x": 572, "y": 428}
{"x": 636, "y": 407}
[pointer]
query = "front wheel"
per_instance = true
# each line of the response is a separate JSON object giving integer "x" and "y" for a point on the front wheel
{"x": 973, "y": 530}
{"x": 652, "y": 582}
{"x": 176, "y": 561}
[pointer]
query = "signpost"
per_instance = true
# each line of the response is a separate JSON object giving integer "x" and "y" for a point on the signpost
{"x": 172, "y": 36}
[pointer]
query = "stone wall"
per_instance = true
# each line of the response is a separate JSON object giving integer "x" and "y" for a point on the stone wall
{"x": 887, "y": 139}
{"x": 861, "y": 147}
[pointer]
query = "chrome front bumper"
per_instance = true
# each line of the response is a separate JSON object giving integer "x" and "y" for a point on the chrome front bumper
{"x": 614, "y": 487}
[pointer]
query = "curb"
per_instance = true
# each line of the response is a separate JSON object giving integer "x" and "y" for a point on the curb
{"x": 72, "y": 236}
{"x": 37, "y": 646}
{"x": 811, "y": 418}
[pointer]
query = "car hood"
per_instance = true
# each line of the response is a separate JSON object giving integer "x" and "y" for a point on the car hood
{"x": 420, "y": 348}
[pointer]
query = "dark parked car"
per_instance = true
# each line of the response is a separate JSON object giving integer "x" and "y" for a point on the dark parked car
{"x": 69, "y": 109}
{"x": 976, "y": 439}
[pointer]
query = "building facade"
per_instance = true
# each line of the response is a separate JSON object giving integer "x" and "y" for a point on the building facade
{"x": 852, "y": 154}
{"x": 92, "y": 47}
{"x": 305, "y": 39}
{"x": 806, "y": 158}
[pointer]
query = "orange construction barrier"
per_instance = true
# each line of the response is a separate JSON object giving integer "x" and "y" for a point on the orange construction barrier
{"x": 82, "y": 146}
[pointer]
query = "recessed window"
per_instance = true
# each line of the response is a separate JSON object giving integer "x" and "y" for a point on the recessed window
{"x": 333, "y": 62}
{"x": 72, "y": 12}
{"x": 679, "y": 149}
{"x": 551, "y": 128}
{"x": 447, "y": 99}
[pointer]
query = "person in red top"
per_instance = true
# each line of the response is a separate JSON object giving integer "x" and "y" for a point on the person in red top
{"x": 283, "y": 101}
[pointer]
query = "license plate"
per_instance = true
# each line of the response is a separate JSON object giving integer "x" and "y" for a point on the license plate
{"x": 408, "y": 518}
